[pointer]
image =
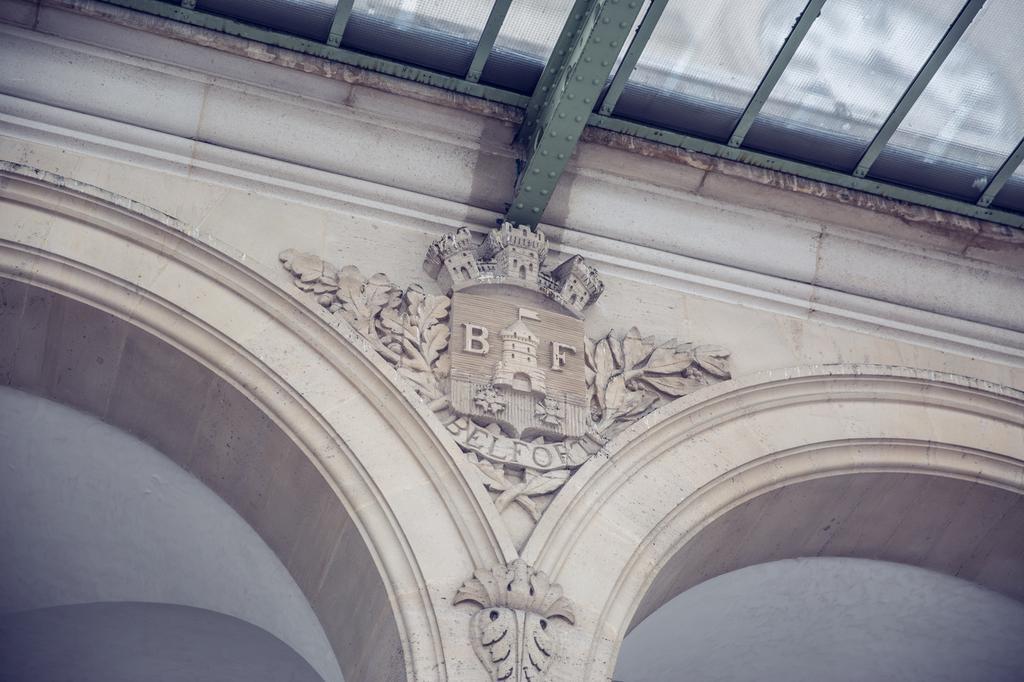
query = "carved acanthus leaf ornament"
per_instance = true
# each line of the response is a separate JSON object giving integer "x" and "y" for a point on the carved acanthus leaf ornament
{"x": 501, "y": 357}
{"x": 512, "y": 633}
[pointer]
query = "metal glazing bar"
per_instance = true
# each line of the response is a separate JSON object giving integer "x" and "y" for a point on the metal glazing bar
{"x": 632, "y": 56}
{"x": 774, "y": 72}
{"x": 573, "y": 24}
{"x": 490, "y": 33}
{"x": 188, "y": 4}
{"x": 341, "y": 14}
{"x": 569, "y": 102}
{"x": 805, "y": 170}
{"x": 322, "y": 50}
{"x": 917, "y": 86}
{"x": 1002, "y": 175}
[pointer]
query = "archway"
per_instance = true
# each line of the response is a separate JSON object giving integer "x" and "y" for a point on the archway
{"x": 827, "y": 618}
{"x": 949, "y": 525}
{"x": 116, "y": 310}
{"x": 755, "y": 470}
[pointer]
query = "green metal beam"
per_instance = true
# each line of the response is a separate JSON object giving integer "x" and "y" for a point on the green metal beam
{"x": 917, "y": 86}
{"x": 322, "y": 50}
{"x": 581, "y": 74}
{"x": 341, "y": 14}
{"x": 774, "y": 73}
{"x": 632, "y": 56}
{"x": 490, "y": 33}
{"x": 559, "y": 53}
{"x": 1001, "y": 177}
{"x": 805, "y": 170}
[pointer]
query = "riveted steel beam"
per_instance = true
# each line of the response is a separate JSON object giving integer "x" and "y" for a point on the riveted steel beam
{"x": 632, "y": 56}
{"x": 580, "y": 75}
{"x": 559, "y": 53}
{"x": 490, "y": 33}
{"x": 775, "y": 71}
{"x": 917, "y": 86}
{"x": 1002, "y": 175}
{"x": 341, "y": 14}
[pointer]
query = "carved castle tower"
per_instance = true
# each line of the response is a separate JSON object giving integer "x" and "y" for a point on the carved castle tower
{"x": 452, "y": 260}
{"x": 518, "y": 368}
{"x": 517, "y": 252}
{"x": 512, "y": 255}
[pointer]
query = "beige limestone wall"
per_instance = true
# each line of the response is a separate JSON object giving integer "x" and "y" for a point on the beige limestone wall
{"x": 252, "y": 163}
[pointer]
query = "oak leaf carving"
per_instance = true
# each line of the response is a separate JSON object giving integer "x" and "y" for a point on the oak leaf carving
{"x": 713, "y": 360}
{"x": 408, "y": 328}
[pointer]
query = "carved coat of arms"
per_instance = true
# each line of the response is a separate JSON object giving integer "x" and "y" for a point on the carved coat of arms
{"x": 517, "y": 346}
{"x": 501, "y": 355}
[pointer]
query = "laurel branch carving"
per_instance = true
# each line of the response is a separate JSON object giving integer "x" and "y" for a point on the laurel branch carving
{"x": 407, "y": 327}
{"x": 632, "y": 376}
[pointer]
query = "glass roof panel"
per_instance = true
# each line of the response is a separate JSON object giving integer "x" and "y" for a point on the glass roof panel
{"x": 437, "y": 34}
{"x": 307, "y": 18}
{"x": 704, "y": 61}
{"x": 847, "y": 76}
{"x": 971, "y": 115}
{"x": 525, "y": 42}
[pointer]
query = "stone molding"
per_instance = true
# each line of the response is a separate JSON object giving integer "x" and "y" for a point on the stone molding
{"x": 688, "y": 417}
{"x": 833, "y": 273}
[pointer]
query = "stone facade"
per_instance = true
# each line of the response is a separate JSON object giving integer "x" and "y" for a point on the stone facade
{"x": 224, "y": 231}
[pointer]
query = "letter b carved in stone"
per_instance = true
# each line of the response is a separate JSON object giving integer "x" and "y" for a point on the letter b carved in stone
{"x": 476, "y": 339}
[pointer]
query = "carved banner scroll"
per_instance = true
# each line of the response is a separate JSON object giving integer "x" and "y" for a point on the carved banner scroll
{"x": 489, "y": 442}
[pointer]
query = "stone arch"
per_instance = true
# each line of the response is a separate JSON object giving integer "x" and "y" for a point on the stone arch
{"x": 344, "y": 443}
{"x": 664, "y": 510}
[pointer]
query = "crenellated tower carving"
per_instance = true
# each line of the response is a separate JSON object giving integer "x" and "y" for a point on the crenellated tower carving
{"x": 512, "y": 255}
